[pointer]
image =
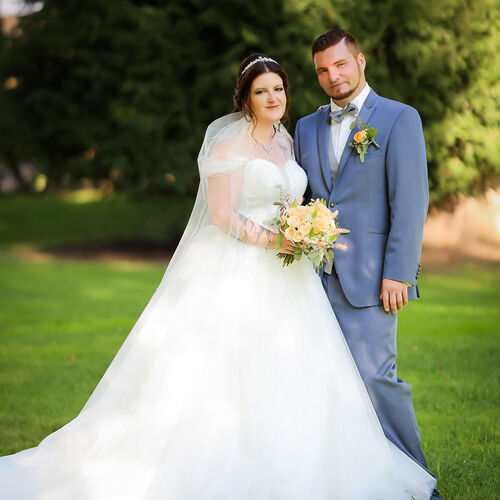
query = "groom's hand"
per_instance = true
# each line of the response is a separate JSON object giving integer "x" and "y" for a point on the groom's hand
{"x": 394, "y": 295}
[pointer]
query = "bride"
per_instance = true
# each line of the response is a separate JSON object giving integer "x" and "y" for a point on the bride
{"x": 236, "y": 382}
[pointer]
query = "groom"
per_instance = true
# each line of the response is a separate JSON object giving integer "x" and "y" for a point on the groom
{"x": 383, "y": 201}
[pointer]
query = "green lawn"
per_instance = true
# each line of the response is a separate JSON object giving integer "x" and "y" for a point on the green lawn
{"x": 61, "y": 322}
{"x": 449, "y": 352}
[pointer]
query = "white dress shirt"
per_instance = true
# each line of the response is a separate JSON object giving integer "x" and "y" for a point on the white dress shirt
{"x": 339, "y": 134}
{"x": 340, "y": 131}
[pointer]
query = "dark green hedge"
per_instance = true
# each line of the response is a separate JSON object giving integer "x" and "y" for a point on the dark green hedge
{"x": 123, "y": 90}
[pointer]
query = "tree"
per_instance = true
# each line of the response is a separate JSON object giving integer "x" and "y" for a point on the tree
{"x": 443, "y": 59}
{"x": 124, "y": 90}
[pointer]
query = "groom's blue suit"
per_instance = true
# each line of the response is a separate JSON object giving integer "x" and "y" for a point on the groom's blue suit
{"x": 383, "y": 202}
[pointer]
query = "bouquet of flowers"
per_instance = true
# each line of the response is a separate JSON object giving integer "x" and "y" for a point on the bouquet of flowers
{"x": 311, "y": 227}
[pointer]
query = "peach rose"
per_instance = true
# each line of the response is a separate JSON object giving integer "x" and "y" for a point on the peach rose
{"x": 359, "y": 136}
{"x": 289, "y": 232}
{"x": 299, "y": 236}
{"x": 296, "y": 211}
{"x": 293, "y": 220}
{"x": 323, "y": 210}
{"x": 321, "y": 224}
{"x": 293, "y": 234}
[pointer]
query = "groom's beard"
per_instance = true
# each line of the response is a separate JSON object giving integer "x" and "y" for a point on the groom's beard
{"x": 345, "y": 95}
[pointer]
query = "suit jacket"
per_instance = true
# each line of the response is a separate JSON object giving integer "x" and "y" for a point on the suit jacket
{"x": 383, "y": 201}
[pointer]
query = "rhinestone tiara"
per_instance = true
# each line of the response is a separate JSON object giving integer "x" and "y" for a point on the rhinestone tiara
{"x": 259, "y": 59}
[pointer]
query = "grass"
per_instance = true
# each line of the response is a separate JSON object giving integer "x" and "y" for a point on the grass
{"x": 61, "y": 322}
{"x": 449, "y": 352}
{"x": 60, "y": 325}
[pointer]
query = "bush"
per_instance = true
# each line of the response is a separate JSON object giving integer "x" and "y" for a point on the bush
{"x": 124, "y": 90}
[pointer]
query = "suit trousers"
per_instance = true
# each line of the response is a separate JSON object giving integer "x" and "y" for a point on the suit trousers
{"x": 370, "y": 333}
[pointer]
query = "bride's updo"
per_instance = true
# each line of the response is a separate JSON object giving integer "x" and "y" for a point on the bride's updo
{"x": 250, "y": 68}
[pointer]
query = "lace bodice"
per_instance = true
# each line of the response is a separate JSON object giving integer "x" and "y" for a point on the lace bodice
{"x": 263, "y": 182}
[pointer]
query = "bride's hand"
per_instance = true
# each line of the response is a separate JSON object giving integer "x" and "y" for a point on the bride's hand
{"x": 287, "y": 246}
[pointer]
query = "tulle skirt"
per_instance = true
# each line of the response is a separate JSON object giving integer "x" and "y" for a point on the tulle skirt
{"x": 235, "y": 384}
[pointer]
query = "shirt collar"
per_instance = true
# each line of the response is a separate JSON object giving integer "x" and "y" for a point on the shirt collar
{"x": 359, "y": 100}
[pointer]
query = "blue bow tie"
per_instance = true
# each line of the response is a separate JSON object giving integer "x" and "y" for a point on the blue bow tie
{"x": 338, "y": 116}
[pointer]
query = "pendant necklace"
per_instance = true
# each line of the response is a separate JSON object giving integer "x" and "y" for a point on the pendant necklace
{"x": 267, "y": 149}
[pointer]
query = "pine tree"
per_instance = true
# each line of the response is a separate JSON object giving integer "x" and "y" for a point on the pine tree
{"x": 124, "y": 90}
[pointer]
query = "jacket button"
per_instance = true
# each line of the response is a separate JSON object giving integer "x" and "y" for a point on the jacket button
{"x": 332, "y": 204}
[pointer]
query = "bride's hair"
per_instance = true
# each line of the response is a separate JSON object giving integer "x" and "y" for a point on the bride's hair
{"x": 248, "y": 72}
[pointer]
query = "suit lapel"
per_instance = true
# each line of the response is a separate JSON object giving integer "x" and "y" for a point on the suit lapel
{"x": 365, "y": 113}
{"x": 323, "y": 138}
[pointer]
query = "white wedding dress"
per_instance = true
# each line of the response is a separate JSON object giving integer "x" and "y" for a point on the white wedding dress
{"x": 235, "y": 384}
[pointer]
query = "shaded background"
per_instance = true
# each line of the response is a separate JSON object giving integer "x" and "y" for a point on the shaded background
{"x": 121, "y": 92}
{"x": 103, "y": 107}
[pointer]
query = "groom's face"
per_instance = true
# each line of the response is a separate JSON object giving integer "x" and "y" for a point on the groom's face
{"x": 340, "y": 72}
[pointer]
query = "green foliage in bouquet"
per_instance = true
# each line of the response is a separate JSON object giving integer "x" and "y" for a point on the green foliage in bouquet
{"x": 316, "y": 242}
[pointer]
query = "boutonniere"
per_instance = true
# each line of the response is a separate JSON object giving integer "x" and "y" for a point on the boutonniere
{"x": 363, "y": 138}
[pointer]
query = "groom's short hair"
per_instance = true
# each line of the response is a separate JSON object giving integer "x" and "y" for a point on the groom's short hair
{"x": 332, "y": 38}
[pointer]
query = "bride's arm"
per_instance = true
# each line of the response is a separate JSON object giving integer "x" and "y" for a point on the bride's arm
{"x": 223, "y": 197}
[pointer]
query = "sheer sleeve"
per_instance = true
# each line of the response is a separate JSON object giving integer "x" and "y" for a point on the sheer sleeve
{"x": 226, "y": 151}
{"x": 224, "y": 197}
{"x": 226, "y": 156}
